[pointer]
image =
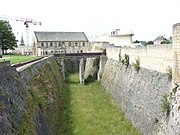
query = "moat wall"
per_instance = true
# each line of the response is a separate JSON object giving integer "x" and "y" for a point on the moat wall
{"x": 15, "y": 98}
{"x": 138, "y": 94}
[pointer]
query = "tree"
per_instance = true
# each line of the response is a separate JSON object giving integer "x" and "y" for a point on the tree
{"x": 165, "y": 42}
{"x": 150, "y": 43}
{"x": 7, "y": 37}
{"x": 136, "y": 41}
{"x": 143, "y": 43}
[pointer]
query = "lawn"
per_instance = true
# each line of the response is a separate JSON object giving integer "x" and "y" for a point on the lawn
{"x": 91, "y": 111}
{"x": 18, "y": 58}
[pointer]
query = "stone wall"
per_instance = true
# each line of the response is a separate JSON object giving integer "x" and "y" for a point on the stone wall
{"x": 91, "y": 68}
{"x": 138, "y": 94}
{"x": 72, "y": 64}
{"x": 155, "y": 57}
{"x": 99, "y": 46}
{"x": 176, "y": 53}
{"x": 12, "y": 102}
{"x": 28, "y": 73}
{"x": 13, "y": 90}
{"x": 170, "y": 124}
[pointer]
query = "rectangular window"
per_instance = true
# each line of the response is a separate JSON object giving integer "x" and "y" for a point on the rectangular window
{"x": 83, "y": 43}
{"x": 59, "y": 44}
{"x": 69, "y": 44}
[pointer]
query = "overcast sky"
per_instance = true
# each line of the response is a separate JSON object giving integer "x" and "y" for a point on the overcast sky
{"x": 146, "y": 18}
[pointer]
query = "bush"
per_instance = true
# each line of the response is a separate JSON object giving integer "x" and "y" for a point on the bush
{"x": 156, "y": 120}
{"x": 165, "y": 104}
{"x": 125, "y": 60}
{"x": 175, "y": 89}
{"x": 119, "y": 57}
{"x": 169, "y": 72}
{"x": 136, "y": 65}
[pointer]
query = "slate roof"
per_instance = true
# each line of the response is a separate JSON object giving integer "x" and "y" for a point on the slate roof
{"x": 160, "y": 38}
{"x": 60, "y": 36}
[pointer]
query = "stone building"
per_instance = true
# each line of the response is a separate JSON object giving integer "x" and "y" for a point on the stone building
{"x": 117, "y": 37}
{"x": 159, "y": 40}
{"x": 48, "y": 43}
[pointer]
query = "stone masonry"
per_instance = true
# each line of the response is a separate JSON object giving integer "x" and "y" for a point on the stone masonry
{"x": 176, "y": 53}
{"x": 81, "y": 71}
{"x": 13, "y": 89}
{"x": 170, "y": 123}
{"x": 138, "y": 94}
{"x": 102, "y": 63}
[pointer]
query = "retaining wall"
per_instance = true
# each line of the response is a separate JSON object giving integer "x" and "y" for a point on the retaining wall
{"x": 13, "y": 90}
{"x": 138, "y": 94}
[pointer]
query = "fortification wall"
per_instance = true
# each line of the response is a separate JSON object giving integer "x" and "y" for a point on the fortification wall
{"x": 13, "y": 90}
{"x": 138, "y": 94}
{"x": 11, "y": 98}
{"x": 28, "y": 73}
{"x": 155, "y": 57}
{"x": 170, "y": 124}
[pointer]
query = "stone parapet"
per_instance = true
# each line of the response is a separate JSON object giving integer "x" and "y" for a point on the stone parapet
{"x": 155, "y": 57}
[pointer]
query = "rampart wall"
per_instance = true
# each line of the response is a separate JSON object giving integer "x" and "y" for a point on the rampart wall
{"x": 138, "y": 94}
{"x": 13, "y": 90}
{"x": 149, "y": 98}
{"x": 155, "y": 57}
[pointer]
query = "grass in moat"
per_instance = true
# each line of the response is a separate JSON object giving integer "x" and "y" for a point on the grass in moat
{"x": 18, "y": 58}
{"x": 89, "y": 110}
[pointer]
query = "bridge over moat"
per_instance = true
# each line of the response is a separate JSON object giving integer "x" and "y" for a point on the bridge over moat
{"x": 81, "y": 61}
{"x": 80, "y": 55}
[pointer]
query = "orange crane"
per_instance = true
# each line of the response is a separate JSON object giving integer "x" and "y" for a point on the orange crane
{"x": 25, "y": 21}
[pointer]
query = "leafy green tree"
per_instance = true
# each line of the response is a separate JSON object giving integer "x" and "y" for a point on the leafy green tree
{"x": 165, "y": 42}
{"x": 150, "y": 43}
{"x": 7, "y": 37}
{"x": 143, "y": 43}
{"x": 136, "y": 41}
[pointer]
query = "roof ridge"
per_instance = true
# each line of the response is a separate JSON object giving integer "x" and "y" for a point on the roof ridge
{"x": 59, "y": 31}
{"x": 60, "y": 36}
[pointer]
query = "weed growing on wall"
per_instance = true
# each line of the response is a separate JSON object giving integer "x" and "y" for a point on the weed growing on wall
{"x": 169, "y": 72}
{"x": 125, "y": 60}
{"x": 156, "y": 120}
{"x": 136, "y": 65}
{"x": 178, "y": 108}
{"x": 120, "y": 57}
{"x": 165, "y": 104}
{"x": 175, "y": 89}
